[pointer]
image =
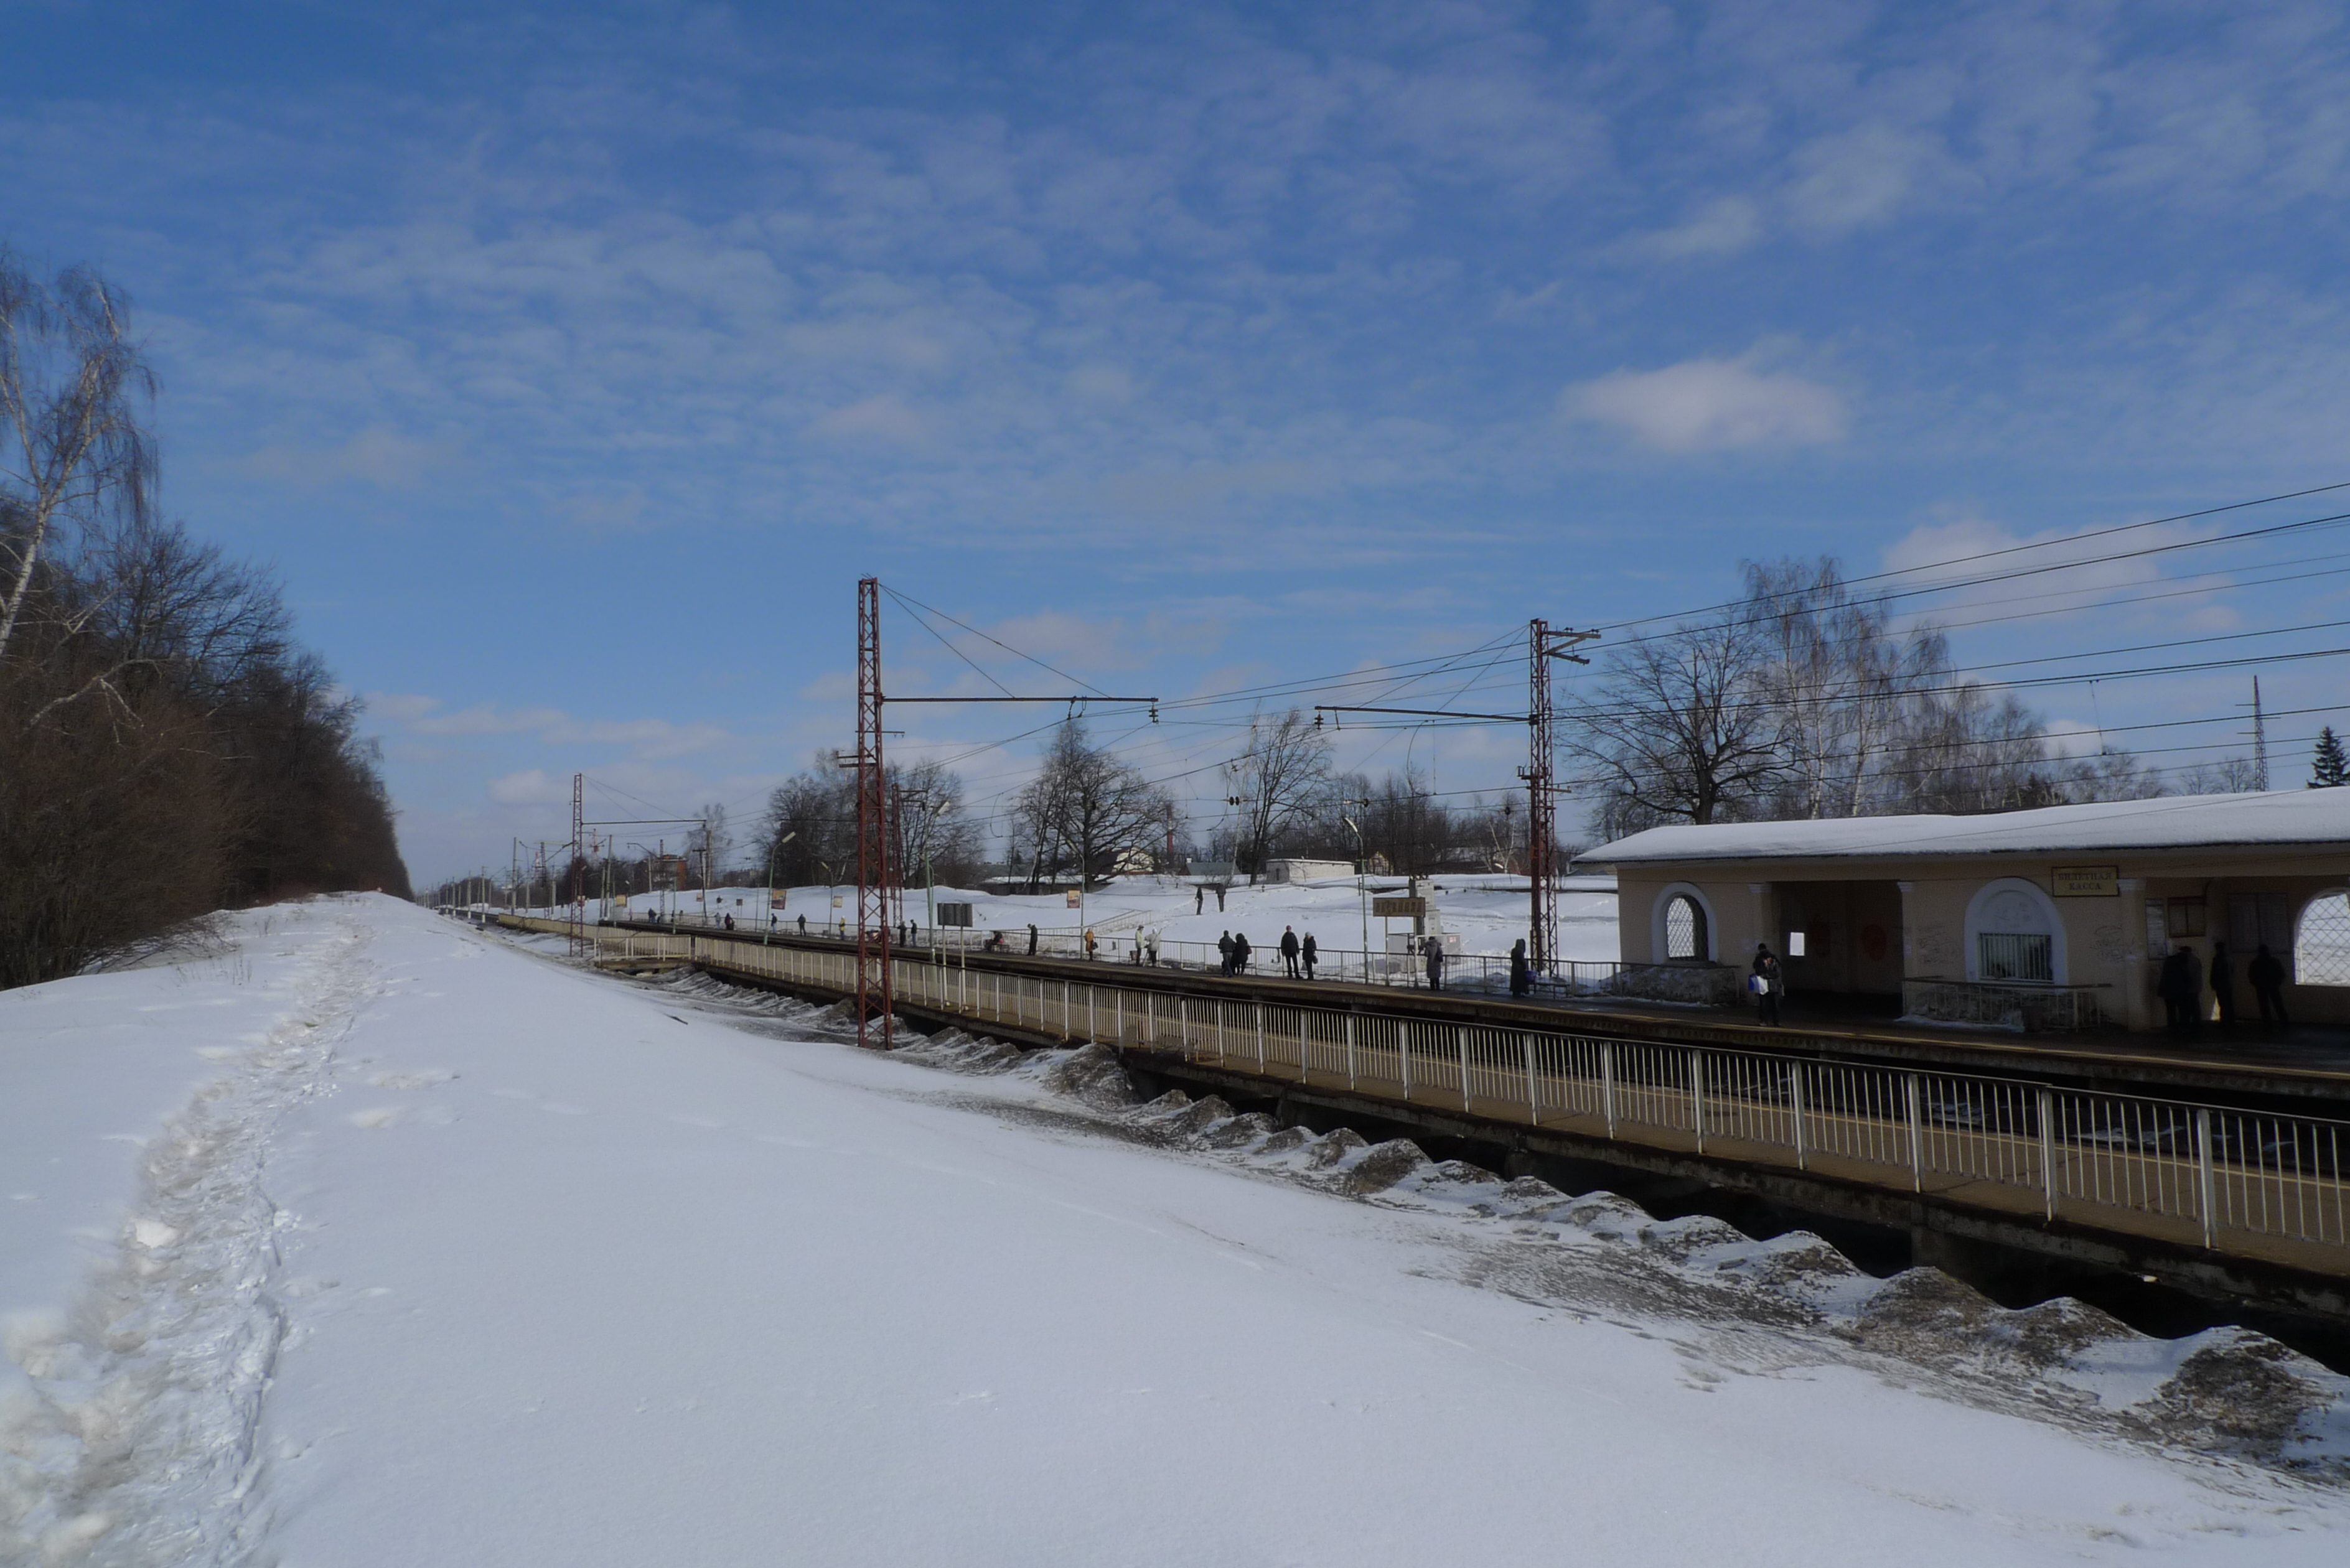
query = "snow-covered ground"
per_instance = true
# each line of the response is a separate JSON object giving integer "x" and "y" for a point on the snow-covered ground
{"x": 1488, "y": 913}
{"x": 370, "y": 1239}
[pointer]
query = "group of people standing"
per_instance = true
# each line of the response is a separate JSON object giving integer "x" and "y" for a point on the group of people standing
{"x": 2180, "y": 985}
{"x": 1298, "y": 955}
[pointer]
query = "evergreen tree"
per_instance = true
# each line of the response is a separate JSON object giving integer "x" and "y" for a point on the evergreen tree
{"x": 2330, "y": 769}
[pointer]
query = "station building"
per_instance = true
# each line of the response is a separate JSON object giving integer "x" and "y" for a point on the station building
{"x": 2057, "y": 917}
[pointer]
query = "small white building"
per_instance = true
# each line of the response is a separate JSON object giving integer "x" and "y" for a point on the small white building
{"x": 1292, "y": 870}
{"x": 2062, "y": 913}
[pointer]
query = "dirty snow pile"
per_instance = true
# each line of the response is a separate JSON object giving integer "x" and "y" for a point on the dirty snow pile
{"x": 360, "y": 1237}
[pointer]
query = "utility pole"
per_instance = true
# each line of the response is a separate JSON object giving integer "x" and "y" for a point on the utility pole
{"x": 2260, "y": 740}
{"x": 1543, "y": 644}
{"x": 578, "y": 865}
{"x": 873, "y": 880}
{"x": 872, "y": 822}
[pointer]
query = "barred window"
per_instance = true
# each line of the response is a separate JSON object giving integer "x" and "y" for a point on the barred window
{"x": 2321, "y": 948}
{"x": 2013, "y": 955}
{"x": 1684, "y": 929}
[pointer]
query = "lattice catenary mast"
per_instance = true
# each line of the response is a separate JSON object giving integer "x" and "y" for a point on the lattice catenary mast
{"x": 1543, "y": 644}
{"x": 872, "y": 823}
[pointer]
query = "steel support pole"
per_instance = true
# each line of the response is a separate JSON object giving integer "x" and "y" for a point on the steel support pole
{"x": 2047, "y": 1109}
{"x": 1917, "y": 1136}
{"x": 1697, "y": 1095}
{"x": 1533, "y": 1094}
{"x": 1796, "y": 1104}
{"x": 1607, "y": 1082}
{"x": 2205, "y": 1187}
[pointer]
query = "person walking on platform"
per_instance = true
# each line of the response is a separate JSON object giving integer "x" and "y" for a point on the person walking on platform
{"x": 1768, "y": 981}
{"x": 2267, "y": 975}
{"x": 1307, "y": 953}
{"x": 803, "y": 925}
{"x": 1240, "y": 952}
{"x": 1521, "y": 973}
{"x": 2223, "y": 988}
{"x": 1289, "y": 953}
{"x": 1435, "y": 949}
{"x": 1224, "y": 946}
{"x": 1031, "y": 938}
{"x": 1151, "y": 947}
{"x": 1091, "y": 947}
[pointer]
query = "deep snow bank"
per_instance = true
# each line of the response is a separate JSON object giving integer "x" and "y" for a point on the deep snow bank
{"x": 563, "y": 1269}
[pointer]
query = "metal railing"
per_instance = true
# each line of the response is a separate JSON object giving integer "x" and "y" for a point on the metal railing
{"x": 2031, "y": 1008}
{"x": 1473, "y": 973}
{"x": 2248, "y": 1183}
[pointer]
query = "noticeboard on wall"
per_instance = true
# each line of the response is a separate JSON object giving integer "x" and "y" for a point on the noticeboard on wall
{"x": 2085, "y": 881}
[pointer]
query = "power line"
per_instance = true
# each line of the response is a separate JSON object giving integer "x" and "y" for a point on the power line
{"x": 2044, "y": 544}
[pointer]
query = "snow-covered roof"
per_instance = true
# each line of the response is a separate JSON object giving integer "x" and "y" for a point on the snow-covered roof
{"x": 2269, "y": 818}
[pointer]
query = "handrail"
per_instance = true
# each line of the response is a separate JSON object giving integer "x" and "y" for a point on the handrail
{"x": 2239, "y": 1182}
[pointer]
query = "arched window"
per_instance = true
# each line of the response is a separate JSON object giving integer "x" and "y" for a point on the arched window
{"x": 1685, "y": 932}
{"x": 2320, "y": 942}
{"x": 2014, "y": 935}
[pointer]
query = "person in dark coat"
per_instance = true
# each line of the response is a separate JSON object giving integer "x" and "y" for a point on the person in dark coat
{"x": 1200, "y": 898}
{"x": 1522, "y": 973}
{"x": 2223, "y": 987}
{"x": 2177, "y": 991}
{"x": 1240, "y": 952}
{"x": 1289, "y": 953}
{"x": 1031, "y": 938}
{"x": 1224, "y": 946}
{"x": 1307, "y": 953}
{"x": 1219, "y": 900}
{"x": 803, "y": 925}
{"x": 1772, "y": 984}
{"x": 2267, "y": 975}
{"x": 1435, "y": 963}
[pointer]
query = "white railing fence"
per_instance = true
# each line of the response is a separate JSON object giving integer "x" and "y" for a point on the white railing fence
{"x": 2236, "y": 1181}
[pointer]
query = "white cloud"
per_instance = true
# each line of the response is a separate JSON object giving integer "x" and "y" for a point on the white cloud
{"x": 400, "y": 708}
{"x": 532, "y": 786}
{"x": 884, "y": 418}
{"x": 1709, "y": 405}
{"x": 488, "y": 719}
{"x": 1722, "y": 227}
{"x": 1860, "y": 177}
{"x": 377, "y": 455}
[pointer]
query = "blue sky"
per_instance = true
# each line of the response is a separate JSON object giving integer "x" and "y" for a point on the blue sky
{"x": 571, "y": 365}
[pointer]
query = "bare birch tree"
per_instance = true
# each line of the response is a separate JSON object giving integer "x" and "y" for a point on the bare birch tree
{"x": 1284, "y": 770}
{"x": 71, "y": 446}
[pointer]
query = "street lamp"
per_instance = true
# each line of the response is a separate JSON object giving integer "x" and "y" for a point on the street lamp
{"x": 1362, "y": 891}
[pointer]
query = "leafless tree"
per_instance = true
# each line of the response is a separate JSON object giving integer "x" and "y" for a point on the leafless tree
{"x": 71, "y": 445}
{"x": 1086, "y": 808}
{"x": 1277, "y": 779}
{"x": 1683, "y": 728}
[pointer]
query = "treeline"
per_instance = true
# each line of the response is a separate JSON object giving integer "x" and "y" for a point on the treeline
{"x": 1802, "y": 698}
{"x": 166, "y": 749}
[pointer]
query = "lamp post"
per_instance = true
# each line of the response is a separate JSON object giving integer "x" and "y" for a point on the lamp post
{"x": 1362, "y": 891}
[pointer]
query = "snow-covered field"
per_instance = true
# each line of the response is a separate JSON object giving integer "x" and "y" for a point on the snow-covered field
{"x": 1488, "y": 913}
{"x": 367, "y": 1239}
